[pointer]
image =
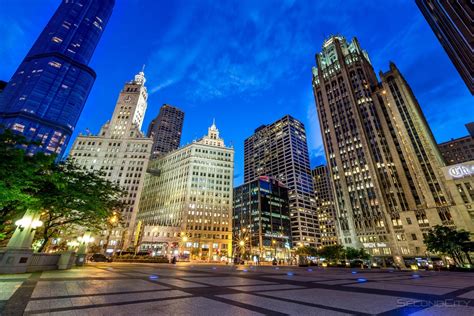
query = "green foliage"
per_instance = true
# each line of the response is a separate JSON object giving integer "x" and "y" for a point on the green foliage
{"x": 68, "y": 197}
{"x": 335, "y": 252}
{"x": 447, "y": 241}
{"x": 363, "y": 254}
{"x": 72, "y": 197}
{"x": 19, "y": 180}
{"x": 306, "y": 251}
{"x": 352, "y": 253}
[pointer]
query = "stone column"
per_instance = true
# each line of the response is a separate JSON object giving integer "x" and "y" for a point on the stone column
{"x": 16, "y": 256}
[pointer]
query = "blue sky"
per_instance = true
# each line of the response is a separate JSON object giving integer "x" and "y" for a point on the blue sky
{"x": 246, "y": 63}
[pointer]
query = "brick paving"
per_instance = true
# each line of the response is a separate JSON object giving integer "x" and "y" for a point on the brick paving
{"x": 200, "y": 289}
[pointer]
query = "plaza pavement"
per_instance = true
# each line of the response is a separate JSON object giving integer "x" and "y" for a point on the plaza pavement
{"x": 203, "y": 289}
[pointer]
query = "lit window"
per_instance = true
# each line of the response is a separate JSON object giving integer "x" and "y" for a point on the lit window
{"x": 56, "y": 39}
{"x": 54, "y": 64}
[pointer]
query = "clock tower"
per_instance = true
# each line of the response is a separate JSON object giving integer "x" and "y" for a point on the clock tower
{"x": 129, "y": 112}
{"x": 121, "y": 152}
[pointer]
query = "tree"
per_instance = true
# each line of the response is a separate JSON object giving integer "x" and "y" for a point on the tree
{"x": 447, "y": 241}
{"x": 352, "y": 253}
{"x": 306, "y": 251}
{"x": 335, "y": 252}
{"x": 20, "y": 176}
{"x": 72, "y": 197}
{"x": 363, "y": 254}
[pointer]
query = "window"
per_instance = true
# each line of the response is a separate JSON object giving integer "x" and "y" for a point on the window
{"x": 413, "y": 237}
{"x": 462, "y": 193}
{"x": 408, "y": 221}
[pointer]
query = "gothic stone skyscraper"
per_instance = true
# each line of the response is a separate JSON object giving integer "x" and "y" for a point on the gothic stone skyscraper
{"x": 122, "y": 152}
{"x": 279, "y": 150}
{"x": 186, "y": 205}
{"x": 165, "y": 130}
{"x": 383, "y": 160}
{"x": 47, "y": 93}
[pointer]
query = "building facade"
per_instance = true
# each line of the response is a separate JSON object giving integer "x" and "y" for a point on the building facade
{"x": 460, "y": 149}
{"x": 460, "y": 180}
{"x": 121, "y": 152}
{"x": 165, "y": 130}
{"x": 451, "y": 21}
{"x": 383, "y": 161}
{"x": 186, "y": 204}
{"x": 45, "y": 96}
{"x": 323, "y": 194}
{"x": 279, "y": 150}
{"x": 261, "y": 220}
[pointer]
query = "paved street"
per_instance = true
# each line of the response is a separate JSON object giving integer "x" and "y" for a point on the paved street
{"x": 187, "y": 289}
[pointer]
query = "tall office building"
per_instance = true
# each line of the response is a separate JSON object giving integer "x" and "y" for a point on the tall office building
{"x": 261, "y": 220}
{"x": 279, "y": 150}
{"x": 121, "y": 151}
{"x": 460, "y": 149}
{"x": 165, "y": 130}
{"x": 186, "y": 204}
{"x": 382, "y": 157}
{"x": 451, "y": 21}
{"x": 326, "y": 210}
{"x": 45, "y": 96}
{"x": 460, "y": 179}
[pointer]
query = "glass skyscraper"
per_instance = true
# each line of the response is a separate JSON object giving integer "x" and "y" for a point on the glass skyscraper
{"x": 261, "y": 220}
{"x": 279, "y": 150}
{"x": 46, "y": 95}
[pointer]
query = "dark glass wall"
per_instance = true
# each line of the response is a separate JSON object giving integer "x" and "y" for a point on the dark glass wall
{"x": 261, "y": 215}
{"x": 46, "y": 95}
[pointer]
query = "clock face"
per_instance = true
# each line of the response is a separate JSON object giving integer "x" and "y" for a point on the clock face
{"x": 127, "y": 99}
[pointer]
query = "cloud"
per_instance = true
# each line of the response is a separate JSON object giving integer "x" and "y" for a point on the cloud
{"x": 222, "y": 59}
{"x": 162, "y": 85}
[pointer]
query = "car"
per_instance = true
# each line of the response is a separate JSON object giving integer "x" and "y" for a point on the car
{"x": 358, "y": 263}
{"x": 98, "y": 257}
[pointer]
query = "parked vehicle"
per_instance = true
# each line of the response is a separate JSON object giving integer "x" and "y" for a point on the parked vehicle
{"x": 358, "y": 263}
{"x": 98, "y": 257}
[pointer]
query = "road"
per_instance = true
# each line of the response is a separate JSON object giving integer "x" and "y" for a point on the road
{"x": 204, "y": 289}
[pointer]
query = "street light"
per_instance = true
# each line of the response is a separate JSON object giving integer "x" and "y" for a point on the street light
{"x": 184, "y": 239}
{"x": 274, "y": 247}
{"x": 81, "y": 253}
{"x": 28, "y": 221}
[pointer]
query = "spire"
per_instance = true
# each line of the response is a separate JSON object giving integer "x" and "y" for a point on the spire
{"x": 140, "y": 77}
{"x": 213, "y": 126}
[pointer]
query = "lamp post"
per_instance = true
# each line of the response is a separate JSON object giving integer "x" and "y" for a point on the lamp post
{"x": 17, "y": 253}
{"x": 112, "y": 221}
{"x": 184, "y": 240}
{"x": 274, "y": 247}
{"x": 81, "y": 252}
{"x": 25, "y": 231}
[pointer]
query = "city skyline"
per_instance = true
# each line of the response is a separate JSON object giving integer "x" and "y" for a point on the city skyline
{"x": 279, "y": 88}
{"x": 335, "y": 176}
